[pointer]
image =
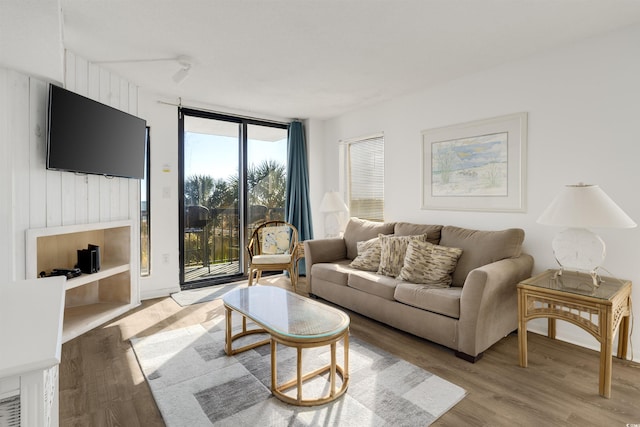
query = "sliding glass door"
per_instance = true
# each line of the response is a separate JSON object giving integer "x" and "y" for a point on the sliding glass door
{"x": 233, "y": 177}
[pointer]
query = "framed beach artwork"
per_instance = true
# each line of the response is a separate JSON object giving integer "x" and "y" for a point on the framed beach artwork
{"x": 476, "y": 166}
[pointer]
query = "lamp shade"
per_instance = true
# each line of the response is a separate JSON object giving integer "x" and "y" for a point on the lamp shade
{"x": 332, "y": 202}
{"x": 585, "y": 206}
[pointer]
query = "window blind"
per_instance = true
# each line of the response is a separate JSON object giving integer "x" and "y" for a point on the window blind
{"x": 366, "y": 178}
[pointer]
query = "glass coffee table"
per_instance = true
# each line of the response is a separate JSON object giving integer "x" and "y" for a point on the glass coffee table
{"x": 293, "y": 321}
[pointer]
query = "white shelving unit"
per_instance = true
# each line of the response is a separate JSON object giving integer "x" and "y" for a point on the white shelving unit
{"x": 90, "y": 299}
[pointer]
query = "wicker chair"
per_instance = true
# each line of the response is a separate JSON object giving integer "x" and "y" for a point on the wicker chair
{"x": 273, "y": 247}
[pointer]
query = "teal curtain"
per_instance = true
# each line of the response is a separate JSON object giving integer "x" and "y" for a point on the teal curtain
{"x": 297, "y": 206}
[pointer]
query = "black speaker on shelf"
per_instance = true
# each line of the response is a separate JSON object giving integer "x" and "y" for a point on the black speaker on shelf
{"x": 89, "y": 259}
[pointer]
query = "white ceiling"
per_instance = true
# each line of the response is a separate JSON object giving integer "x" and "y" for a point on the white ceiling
{"x": 321, "y": 58}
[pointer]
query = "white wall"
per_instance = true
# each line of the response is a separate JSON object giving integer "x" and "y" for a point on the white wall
{"x": 314, "y": 133}
{"x": 582, "y": 102}
{"x": 165, "y": 267}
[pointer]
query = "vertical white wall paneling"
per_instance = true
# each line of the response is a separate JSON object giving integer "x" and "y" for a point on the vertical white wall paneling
{"x": 125, "y": 197}
{"x": 69, "y": 71}
{"x": 104, "y": 81}
{"x": 34, "y": 197}
{"x": 54, "y": 198}
{"x": 114, "y": 183}
{"x": 68, "y": 193}
{"x": 38, "y": 94}
{"x": 123, "y": 96}
{"x": 5, "y": 179}
{"x": 93, "y": 181}
{"x": 19, "y": 140}
{"x": 82, "y": 76}
{"x": 68, "y": 189}
{"x": 105, "y": 199}
{"x": 81, "y": 86}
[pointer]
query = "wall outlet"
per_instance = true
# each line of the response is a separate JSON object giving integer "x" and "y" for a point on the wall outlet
{"x": 165, "y": 259}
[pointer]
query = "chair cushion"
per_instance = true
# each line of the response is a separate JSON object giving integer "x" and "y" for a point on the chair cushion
{"x": 368, "y": 258}
{"x": 271, "y": 259}
{"x": 275, "y": 240}
{"x": 392, "y": 253}
{"x": 444, "y": 301}
{"x": 480, "y": 247}
{"x": 429, "y": 264}
{"x": 360, "y": 230}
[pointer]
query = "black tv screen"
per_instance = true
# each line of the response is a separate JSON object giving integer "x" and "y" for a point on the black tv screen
{"x": 86, "y": 136}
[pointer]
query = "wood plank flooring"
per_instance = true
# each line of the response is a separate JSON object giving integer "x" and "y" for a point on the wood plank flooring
{"x": 101, "y": 383}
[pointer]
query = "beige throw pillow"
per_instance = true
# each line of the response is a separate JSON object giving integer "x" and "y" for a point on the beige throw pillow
{"x": 429, "y": 264}
{"x": 368, "y": 258}
{"x": 392, "y": 252}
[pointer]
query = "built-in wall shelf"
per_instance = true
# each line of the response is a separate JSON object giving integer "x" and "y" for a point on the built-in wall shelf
{"x": 90, "y": 299}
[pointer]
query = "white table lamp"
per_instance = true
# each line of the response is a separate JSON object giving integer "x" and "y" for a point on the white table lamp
{"x": 580, "y": 207}
{"x": 332, "y": 205}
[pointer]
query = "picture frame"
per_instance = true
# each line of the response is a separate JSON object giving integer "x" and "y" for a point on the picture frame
{"x": 476, "y": 166}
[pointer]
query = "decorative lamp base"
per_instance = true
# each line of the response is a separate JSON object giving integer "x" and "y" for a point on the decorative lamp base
{"x": 581, "y": 250}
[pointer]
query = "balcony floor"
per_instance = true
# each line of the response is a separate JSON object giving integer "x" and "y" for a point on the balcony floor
{"x": 214, "y": 270}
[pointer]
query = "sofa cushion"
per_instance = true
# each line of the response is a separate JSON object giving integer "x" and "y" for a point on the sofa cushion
{"x": 374, "y": 284}
{"x": 368, "y": 258}
{"x": 360, "y": 230}
{"x": 439, "y": 300}
{"x": 335, "y": 272}
{"x": 429, "y": 264}
{"x": 409, "y": 229}
{"x": 392, "y": 252}
{"x": 480, "y": 247}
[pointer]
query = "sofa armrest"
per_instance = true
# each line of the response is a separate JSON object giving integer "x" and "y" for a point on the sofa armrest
{"x": 489, "y": 303}
{"x": 322, "y": 250}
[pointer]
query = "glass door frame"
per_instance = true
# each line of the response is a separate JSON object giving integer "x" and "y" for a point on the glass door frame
{"x": 243, "y": 123}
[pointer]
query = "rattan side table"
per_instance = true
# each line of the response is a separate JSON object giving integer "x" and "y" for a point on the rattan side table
{"x": 573, "y": 298}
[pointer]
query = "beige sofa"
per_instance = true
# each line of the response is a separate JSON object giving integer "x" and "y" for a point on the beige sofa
{"x": 474, "y": 312}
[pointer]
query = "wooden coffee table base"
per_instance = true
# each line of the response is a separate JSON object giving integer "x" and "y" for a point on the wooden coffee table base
{"x": 333, "y": 368}
{"x": 280, "y": 390}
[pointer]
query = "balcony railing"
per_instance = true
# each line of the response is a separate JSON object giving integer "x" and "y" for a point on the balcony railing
{"x": 212, "y": 242}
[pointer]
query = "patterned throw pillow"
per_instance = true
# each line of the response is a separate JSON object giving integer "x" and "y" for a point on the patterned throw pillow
{"x": 368, "y": 258}
{"x": 275, "y": 240}
{"x": 429, "y": 264}
{"x": 392, "y": 252}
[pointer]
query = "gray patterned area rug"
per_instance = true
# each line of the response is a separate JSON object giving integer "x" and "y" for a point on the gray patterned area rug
{"x": 194, "y": 383}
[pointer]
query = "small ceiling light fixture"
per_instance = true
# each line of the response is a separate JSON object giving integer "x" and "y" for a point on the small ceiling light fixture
{"x": 183, "y": 72}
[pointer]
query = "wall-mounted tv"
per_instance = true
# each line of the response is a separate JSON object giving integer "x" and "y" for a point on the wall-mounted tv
{"x": 86, "y": 136}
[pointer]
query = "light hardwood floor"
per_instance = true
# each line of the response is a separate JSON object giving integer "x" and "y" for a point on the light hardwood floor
{"x": 101, "y": 383}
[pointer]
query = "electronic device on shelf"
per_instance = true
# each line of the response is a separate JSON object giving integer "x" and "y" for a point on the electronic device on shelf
{"x": 89, "y": 259}
{"x": 69, "y": 272}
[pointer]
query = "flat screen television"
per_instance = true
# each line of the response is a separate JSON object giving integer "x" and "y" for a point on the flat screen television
{"x": 86, "y": 136}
